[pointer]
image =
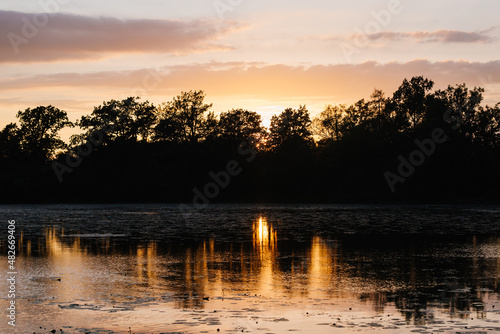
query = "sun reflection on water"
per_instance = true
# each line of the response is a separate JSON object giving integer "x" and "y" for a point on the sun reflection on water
{"x": 264, "y": 236}
{"x": 193, "y": 271}
{"x": 264, "y": 265}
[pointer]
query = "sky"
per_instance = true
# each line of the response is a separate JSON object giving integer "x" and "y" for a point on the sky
{"x": 259, "y": 55}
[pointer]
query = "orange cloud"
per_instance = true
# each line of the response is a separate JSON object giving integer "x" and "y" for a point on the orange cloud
{"x": 265, "y": 81}
{"x": 267, "y": 89}
{"x": 43, "y": 37}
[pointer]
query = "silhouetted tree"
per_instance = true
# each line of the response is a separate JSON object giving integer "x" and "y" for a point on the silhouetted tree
{"x": 239, "y": 125}
{"x": 487, "y": 123}
{"x": 409, "y": 102}
{"x": 186, "y": 118}
{"x": 464, "y": 109}
{"x": 335, "y": 122}
{"x": 163, "y": 153}
{"x": 377, "y": 102}
{"x": 128, "y": 120}
{"x": 380, "y": 116}
{"x": 10, "y": 142}
{"x": 356, "y": 116}
{"x": 328, "y": 125}
{"x": 39, "y": 131}
{"x": 292, "y": 126}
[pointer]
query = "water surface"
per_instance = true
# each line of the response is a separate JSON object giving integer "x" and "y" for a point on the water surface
{"x": 255, "y": 268}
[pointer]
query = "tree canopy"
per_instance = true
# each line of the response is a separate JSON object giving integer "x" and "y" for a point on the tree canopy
{"x": 38, "y": 132}
{"x": 185, "y": 119}
{"x": 143, "y": 151}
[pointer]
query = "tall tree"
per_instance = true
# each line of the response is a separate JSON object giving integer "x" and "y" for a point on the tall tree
{"x": 292, "y": 126}
{"x": 487, "y": 124}
{"x": 239, "y": 125}
{"x": 328, "y": 125}
{"x": 186, "y": 118}
{"x": 128, "y": 120}
{"x": 356, "y": 116}
{"x": 39, "y": 131}
{"x": 409, "y": 102}
{"x": 464, "y": 107}
{"x": 377, "y": 102}
{"x": 9, "y": 141}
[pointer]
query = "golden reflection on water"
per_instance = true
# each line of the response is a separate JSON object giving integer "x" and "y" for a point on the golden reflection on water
{"x": 206, "y": 268}
{"x": 193, "y": 271}
{"x": 323, "y": 263}
{"x": 56, "y": 249}
{"x": 263, "y": 262}
{"x": 264, "y": 236}
{"x": 260, "y": 272}
{"x": 145, "y": 256}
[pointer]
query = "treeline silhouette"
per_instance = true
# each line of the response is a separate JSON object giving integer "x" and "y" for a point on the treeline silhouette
{"x": 418, "y": 145}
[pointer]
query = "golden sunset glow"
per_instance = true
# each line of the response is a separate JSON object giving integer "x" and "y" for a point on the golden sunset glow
{"x": 254, "y": 55}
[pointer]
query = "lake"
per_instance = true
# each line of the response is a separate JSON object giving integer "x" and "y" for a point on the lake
{"x": 154, "y": 268}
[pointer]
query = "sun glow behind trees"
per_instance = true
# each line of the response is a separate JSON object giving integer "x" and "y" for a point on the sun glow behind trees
{"x": 345, "y": 150}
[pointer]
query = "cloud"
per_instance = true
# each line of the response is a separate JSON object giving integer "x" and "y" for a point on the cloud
{"x": 438, "y": 36}
{"x": 42, "y": 37}
{"x": 265, "y": 88}
{"x": 280, "y": 83}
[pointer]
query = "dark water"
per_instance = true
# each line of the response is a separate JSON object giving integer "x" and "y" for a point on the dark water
{"x": 251, "y": 268}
